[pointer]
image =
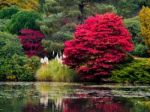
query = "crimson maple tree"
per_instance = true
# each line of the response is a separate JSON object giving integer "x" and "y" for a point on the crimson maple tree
{"x": 99, "y": 43}
{"x": 31, "y": 42}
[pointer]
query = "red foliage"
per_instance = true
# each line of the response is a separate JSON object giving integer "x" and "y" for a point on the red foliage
{"x": 99, "y": 43}
{"x": 31, "y": 42}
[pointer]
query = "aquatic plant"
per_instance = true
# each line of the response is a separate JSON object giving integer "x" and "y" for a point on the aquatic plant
{"x": 55, "y": 71}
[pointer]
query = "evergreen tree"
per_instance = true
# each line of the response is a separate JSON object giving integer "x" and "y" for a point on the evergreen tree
{"x": 60, "y": 20}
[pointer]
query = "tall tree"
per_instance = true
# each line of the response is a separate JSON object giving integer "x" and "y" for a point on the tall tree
{"x": 61, "y": 18}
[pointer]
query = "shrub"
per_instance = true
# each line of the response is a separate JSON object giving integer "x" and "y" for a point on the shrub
{"x": 55, "y": 71}
{"x": 99, "y": 43}
{"x": 25, "y": 68}
{"x": 140, "y": 50}
{"x": 103, "y": 8}
{"x": 6, "y": 13}
{"x": 13, "y": 62}
{"x": 137, "y": 71}
{"x": 23, "y": 19}
{"x": 145, "y": 25}
{"x": 9, "y": 45}
{"x": 31, "y": 42}
{"x": 3, "y": 24}
{"x": 22, "y": 68}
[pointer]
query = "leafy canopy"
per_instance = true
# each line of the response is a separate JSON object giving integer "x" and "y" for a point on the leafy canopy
{"x": 99, "y": 43}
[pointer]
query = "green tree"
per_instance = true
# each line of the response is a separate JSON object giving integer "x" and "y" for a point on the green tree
{"x": 133, "y": 25}
{"x": 145, "y": 25}
{"x": 23, "y": 19}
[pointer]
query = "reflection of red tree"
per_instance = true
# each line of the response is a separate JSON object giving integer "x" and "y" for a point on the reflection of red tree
{"x": 108, "y": 105}
{"x": 105, "y": 104}
{"x": 32, "y": 108}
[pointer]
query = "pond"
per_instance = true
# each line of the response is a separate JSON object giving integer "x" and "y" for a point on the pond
{"x": 72, "y": 97}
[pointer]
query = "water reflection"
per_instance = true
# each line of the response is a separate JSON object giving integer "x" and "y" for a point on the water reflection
{"x": 62, "y": 97}
{"x": 105, "y": 104}
{"x": 29, "y": 107}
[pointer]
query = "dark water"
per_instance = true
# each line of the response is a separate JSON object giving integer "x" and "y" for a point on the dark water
{"x": 64, "y": 97}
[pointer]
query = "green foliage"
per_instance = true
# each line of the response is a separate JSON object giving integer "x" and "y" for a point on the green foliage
{"x": 133, "y": 25}
{"x": 6, "y": 13}
{"x": 56, "y": 33}
{"x": 137, "y": 71}
{"x": 23, "y": 19}
{"x": 126, "y": 8}
{"x": 52, "y": 46}
{"x": 143, "y": 2}
{"x": 9, "y": 45}
{"x": 24, "y": 68}
{"x": 55, "y": 71}
{"x": 12, "y": 60}
{"x": 140, "y": 50}
{"x": 103, "y": 8}
{"x": 3, "y": 24}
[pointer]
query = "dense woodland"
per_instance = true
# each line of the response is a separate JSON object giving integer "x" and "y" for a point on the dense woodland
{"x": 85, "y": 40}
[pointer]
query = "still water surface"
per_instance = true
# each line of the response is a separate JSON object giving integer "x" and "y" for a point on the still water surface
{"x": 72, "y": 97}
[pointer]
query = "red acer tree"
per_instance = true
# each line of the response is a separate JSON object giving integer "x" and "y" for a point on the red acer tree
{"x": 99, "y": 43}
{"x": 31, "y": 42}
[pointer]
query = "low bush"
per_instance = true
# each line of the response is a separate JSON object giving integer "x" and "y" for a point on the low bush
{"x": 55, "y": 71}
{"x": 19, "y": 68}
{"x": 26, "y": 69}
{"x": 3, "y": 24}
{"x": 140, "y": 50}
{"x": 14, "y": 65}
{"x": 137, "y": 71}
